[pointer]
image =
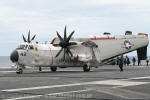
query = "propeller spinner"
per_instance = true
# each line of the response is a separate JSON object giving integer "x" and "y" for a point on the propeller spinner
{"x": 28, "y": 39}
{"x": 64, "y": 44}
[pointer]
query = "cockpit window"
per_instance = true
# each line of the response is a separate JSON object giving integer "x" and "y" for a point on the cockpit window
{"x": 21, "y": 47}
{"x": 31, "y": 47}
{"x": 26, "y": 46}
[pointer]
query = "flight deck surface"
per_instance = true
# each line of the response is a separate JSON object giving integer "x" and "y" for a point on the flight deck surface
{"x": 104, "y": 83}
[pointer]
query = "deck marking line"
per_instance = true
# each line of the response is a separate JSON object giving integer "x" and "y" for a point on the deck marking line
{"x": 123, "y": 93}
{"x": 104, "y": 82}
{"x": 35, "y": 96}
{"x": 6, "y": 71}
{"x": 145, "y": 77}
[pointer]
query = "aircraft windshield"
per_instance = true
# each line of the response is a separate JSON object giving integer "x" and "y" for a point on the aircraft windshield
{"x": 22, "y": 46}
{"x": 31, "y": 47}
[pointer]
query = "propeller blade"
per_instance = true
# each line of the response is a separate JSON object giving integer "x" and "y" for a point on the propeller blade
{"x": 33, "y": 38}
{"x": 59, "y": 36}
{"x": 68, "y": 55}
{"x": 29, "y": 36}
{"x": 59, "y": 52}
{"x": 24, "y": 38}
{"x": 70, "y": 36}
{"x": 64, "y": 53}
{"x": 65, "y": 37}
{"x": 64, "y": 43}
{"x": 69, "y": 52}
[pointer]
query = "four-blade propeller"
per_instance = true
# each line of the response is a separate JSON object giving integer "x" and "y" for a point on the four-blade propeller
{"x": 64, "y": 44}
{"x": 28, "y": 39}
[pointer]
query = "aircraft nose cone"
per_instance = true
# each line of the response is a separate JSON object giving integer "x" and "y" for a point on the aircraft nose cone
{"x": 14, "y": 56}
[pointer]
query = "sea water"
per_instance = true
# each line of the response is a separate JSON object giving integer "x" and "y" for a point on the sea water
{"x": 5, "y": 61}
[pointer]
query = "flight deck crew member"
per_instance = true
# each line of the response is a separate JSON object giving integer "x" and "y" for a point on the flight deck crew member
{"x": 117, "y": 60}
{"x": 139, "y": 62}
{"x": 127, "y": 60}
{"x": 133, "y": 60}
{"x": 121, "y": 61}
{"x": 147, "y": 61}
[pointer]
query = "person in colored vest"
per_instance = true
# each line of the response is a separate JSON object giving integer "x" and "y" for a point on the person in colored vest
{"x": 121, "y": 62}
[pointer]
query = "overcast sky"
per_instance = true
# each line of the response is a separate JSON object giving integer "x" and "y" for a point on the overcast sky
{"x": 86, "y": 17}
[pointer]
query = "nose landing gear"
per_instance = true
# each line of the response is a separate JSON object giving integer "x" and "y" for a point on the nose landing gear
{"x": 19, "y": 69}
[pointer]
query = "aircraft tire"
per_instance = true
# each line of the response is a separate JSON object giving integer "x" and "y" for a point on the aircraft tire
{"x": 19, "y": 71}
{"x": 53, "y": 69}
{"x": 86, "y": 68}
{"x": 40, "y": 69}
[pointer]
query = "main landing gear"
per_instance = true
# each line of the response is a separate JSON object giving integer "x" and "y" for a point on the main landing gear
{"x": 86, "y": 68}
{"x": 53, "y": 69}
{"x": 40, "y": 69}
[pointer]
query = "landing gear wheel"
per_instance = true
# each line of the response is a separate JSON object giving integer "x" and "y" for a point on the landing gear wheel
{"x": 19, "y": 71}
{"x": 53, "y": 69}
{"x": 40, "y": 69}
{"x": 86, "y": 68}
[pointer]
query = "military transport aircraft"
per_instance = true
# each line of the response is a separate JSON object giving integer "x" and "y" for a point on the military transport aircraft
{"x": 66, "y": 51}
